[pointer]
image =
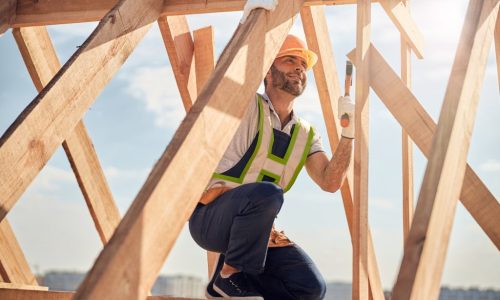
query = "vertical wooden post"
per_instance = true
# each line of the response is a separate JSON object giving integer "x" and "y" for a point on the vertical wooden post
{"x": 327, "y": 83}
{"x": 421, "y": 269}
{"x": 407, "y": 143}
{"x": 204, "y": 54}
{"x": 360, "y": 245}
{"x": 179, "y": 44}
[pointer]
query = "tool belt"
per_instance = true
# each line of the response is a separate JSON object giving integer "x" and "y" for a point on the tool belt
{"x": 276, "y": 238}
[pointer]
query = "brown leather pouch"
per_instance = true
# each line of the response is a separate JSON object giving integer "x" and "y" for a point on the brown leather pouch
{"x": 212, "y": 193}
{"x": 278, "y": 239}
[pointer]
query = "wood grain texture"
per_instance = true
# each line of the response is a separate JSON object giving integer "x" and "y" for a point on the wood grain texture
{"x": 49, "y": 12}
{"x": 400, "y": 16}
{"x": 42, "y": 62}
{"x": 17, "y": 286}
{"x": 14, "y": 267}
{"x": 129, "y": 263}
{"x": 423, "y": 261}
{"x": 204, "y": 54}
{"x": 327, "y": 83}
{"x": 180, "y": 49}
{"x": 361, "y": 156}
{"x": 51, "y": 117}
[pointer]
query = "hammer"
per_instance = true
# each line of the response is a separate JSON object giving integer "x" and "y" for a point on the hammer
{"x": 344, "y": 119}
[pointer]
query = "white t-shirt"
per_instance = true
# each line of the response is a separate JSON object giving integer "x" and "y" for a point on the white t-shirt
{"x": 248, "y": 130}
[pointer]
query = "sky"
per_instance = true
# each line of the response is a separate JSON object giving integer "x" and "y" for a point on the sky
{"x": 136, "y": 115}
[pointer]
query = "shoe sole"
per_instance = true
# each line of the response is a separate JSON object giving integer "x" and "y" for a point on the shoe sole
{"x": 226, "y": 296}
{"x": 208, "y": 296}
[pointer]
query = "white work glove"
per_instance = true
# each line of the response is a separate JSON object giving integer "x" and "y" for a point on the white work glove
{"x": 253, "y": 4}
{"x": 346, "y": 116}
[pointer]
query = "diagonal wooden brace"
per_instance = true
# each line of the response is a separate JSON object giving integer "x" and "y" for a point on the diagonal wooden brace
{"x": 129, "y": 263}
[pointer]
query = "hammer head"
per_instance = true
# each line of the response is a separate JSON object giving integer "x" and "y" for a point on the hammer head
{"x": 348, "y": 68}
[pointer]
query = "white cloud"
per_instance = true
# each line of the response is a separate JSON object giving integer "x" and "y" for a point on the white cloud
{"x": 491, "y": 165}
{"x": 53, "y": 178}
{"x": 157, "y": 88}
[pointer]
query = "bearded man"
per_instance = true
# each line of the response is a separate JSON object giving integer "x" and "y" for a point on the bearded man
{"x": 236, "y": 213}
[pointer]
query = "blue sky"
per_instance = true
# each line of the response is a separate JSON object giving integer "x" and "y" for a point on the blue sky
{"x": 135, "y": 116}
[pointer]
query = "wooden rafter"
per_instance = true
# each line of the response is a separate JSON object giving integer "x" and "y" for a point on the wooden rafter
{"x": 400, "y": 16}
{"x": 327, "y": 83}
{"x": 423, "y": 261}
{"x": 129, "y": 263}
{"x": 50, "y": 118}
{"x": 360, "y": 190}
{"x": 406, "y": 143}
{"x": 179, "y": 44}
{"x": 49, "y": 12}
{"x": 14, "y": 268}
{"x": 41, "y": 60}
{"x": 7, "y": 14}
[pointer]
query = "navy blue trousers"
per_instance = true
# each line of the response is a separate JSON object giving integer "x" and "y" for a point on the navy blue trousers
{"x": 238, "y": 224}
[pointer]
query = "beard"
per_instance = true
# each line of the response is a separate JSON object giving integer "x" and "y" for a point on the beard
{"x": 291, "y": 86}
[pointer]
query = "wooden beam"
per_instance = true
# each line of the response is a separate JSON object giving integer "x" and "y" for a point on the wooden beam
{"x": 42, "y": 62}
{"x": 423, "y": 261}
{"x": 179, "y": 44}
{"x": 411, "y": 115}
{"x": 14, "y": 268}
{"x": 25, "y": 294}
{"x": 407, "y": 143}
{"x": 327, "y": 82}
{"x": 400, "y": 16}
{"x": 17, "y": 286}
{"x": 50, "y": 12}
{"x": 50, "y": 118}
{"x": 128, "y": 264}
{"x": 360, "y": 199}
{"x": 204, "y": 54}
{"x": 7, "y": 14}
{"x": 497, "y": 48}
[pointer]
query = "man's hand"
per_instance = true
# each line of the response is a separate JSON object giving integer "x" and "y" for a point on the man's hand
{"x": 346, "y": 116}
{"x": 253, "y": 4}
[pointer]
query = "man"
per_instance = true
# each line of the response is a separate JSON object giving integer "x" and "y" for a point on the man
{"x": 236, "y": 213}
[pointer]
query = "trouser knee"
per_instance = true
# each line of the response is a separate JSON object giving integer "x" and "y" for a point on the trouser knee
{"x": 266, "y": 195}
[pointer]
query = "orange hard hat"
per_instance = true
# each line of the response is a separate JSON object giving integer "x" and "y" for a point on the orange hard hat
{"x": 294, "y": 46}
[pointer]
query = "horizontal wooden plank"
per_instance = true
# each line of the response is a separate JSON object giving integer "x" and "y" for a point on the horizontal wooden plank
{"x": 129, "y": 263}
{"x": 400, "y": 16}
{"x": 50, "y": 118}
{"x": 18, "y": 286}
{"x": 48, "y": 12}
{"x": 19, "y": 294}
{"x": 411, "y": 115}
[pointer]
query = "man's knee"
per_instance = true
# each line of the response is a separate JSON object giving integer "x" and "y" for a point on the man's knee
{"x": 267, "y": 194}
{"x": 315, "y": 290}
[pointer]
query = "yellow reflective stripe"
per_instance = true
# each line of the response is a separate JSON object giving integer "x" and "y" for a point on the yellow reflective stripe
{"x": 302, "y": 160}
{"x": 241, "y": 178}
{"x": 289, "y": 150}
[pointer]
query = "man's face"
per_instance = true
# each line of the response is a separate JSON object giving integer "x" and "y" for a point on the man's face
{"x": 288, "y": 73}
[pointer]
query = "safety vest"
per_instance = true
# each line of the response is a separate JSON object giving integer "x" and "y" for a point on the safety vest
{"x": 261, "y": 164}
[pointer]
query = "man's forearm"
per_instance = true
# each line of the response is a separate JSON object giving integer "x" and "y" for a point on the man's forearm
{"x": 336, "y": 170}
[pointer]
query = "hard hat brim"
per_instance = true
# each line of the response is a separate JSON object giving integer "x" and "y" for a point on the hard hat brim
{"x": 309, "y": 57}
